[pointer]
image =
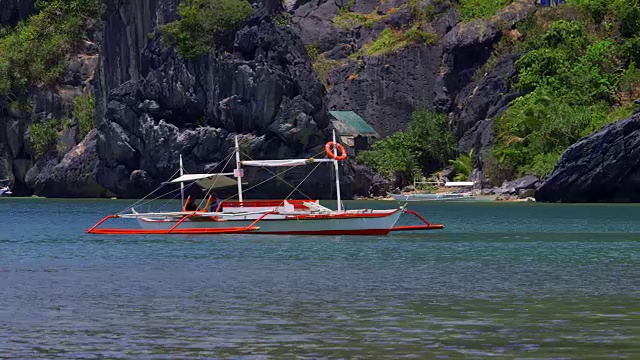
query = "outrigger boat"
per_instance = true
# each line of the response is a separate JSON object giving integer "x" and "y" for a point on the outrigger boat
{"x": 294, "y": 217}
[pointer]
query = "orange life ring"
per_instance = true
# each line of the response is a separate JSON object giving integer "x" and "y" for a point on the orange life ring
{"x": 331, "y": 154}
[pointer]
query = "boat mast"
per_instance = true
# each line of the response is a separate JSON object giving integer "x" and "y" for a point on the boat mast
{"x": 335, "y": 165}
{"x": 238, "y": 170}
{"x": 181, "y": 183}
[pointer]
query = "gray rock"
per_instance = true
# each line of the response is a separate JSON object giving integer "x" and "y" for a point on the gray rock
{"x": 526, "y": 193}
{"x": 13, "y": 11}
{"x": 408, "y": 188}
{"x": 602, "y": 167}
{"x": 74, "y": 176}
{"x": 387, "y": 87}
{"x": 526, "y": 182}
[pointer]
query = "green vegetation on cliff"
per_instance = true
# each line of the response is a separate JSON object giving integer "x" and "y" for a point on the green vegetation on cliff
{"x": 34, "y": 52}
{"x": 477, "y": 9}
{"x": 84, "y": 108}
{"x": 202, "y": 22}
{"x": 425, "y": 146}
{"x": 390, "y": 41}
{"x": 577, "y": 76}
{"x": 44, "y": 136}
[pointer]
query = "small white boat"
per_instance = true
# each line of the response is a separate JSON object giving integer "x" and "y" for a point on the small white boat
{"x": 4, "y": 189}
{"x": 446, "y": 196}
{"x": 443, "y": 196}
{"x": 287, "y": 216}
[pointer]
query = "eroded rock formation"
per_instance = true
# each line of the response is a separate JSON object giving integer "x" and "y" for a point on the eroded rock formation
{"x": 603, "y": 167}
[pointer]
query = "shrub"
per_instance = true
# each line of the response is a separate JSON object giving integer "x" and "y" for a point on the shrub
{"x": 537, "y": 127}
{"x": 476, "y": 9}
{"x": 43, "y": 136}
{"x": 322, "y": 66}
{"x": 426, "y": 145}
{"x": 393, "y": 40}
{"x": 201, "y": 22}
{"x": 33, "y": 53}
{"x": 84, "y": 109}
{"x": 347, "y": 20}
{"x": 463, "y": 166}
{"x": 312, "y": 50}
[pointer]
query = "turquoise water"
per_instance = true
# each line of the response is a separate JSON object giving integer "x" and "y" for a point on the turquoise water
{"x": 502, "y": 280}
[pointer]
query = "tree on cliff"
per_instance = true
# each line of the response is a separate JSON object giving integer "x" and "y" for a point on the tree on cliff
{"x": 201, "y": 22}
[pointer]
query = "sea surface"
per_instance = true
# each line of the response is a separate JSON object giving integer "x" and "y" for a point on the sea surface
{"x": 510, "y": 280}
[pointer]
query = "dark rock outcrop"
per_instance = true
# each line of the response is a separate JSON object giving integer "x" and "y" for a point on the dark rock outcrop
{"x": 603, "y": 167}
{"x": 13, "y": 11}
{"x": 46, "y": 104}
{"x": 481, "y": 101}
{"x": 74, "y": 176}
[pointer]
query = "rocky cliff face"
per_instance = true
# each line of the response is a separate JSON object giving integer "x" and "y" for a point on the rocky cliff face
{"x": 28, "y": 171}
{"x": 386, "y": 89}
{"x": 152, "y": 105}
{"x": 158, "y": 106}
{"x": 603, "y": 167}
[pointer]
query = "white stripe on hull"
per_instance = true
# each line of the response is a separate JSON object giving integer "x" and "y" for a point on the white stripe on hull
{"x": 278, "y": 225}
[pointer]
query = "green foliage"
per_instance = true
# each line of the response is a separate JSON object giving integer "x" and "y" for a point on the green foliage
{"x": 283, "y": 19}
{"x": 575, "y": 83}
{"x": 312, "y": 50}
{"x": 44, "y": 136}
{"x": 390, "y": 41}
{"x": 629, "y": 82}
{"x": 463, "y": 166}
{"x": 421, "y": 11}
{"x": 34, "y": 52}
{"x": 426, "y": 145}
{"x": 537, "y": 127}
{"x": 348, "y": 20}
{"x": 477, "y": 9}
{"x": 621, "y": 15}
{"x": 322, "y": 66}
{"x": 84, "y": 109}
{"x": 346, "y": 8}
{"x": 201, "y": 22}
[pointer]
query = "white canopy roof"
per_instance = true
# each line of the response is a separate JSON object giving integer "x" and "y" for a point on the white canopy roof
{"x": 207, "y": 181}
{"x": 276, "y": 163}
{"x": 459, "y": 183}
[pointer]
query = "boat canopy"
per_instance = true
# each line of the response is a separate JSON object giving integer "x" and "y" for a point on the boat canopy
{"x": 287, "y": 162}
{"x": 207, "y": 181}
{"x": 458, "y": 183}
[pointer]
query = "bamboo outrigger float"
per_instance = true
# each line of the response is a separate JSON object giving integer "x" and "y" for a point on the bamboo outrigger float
{"x": 292, "y": 217}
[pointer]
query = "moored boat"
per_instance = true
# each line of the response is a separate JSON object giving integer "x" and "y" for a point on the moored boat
{"x": 5, "y": 190}
{"x": 287, "y": 216}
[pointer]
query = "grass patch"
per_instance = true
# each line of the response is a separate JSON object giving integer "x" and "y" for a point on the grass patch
{"x": 348, "y": 20}
{"x": 323, "y": 66}
{"x": 478, "y": 9}
{"x": 390, "y": 41}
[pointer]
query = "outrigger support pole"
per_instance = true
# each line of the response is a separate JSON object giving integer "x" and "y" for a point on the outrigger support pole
{"x": 181, "y": 183}
{"x": 335, "y": 165}
{"x": 238, "y": 171}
